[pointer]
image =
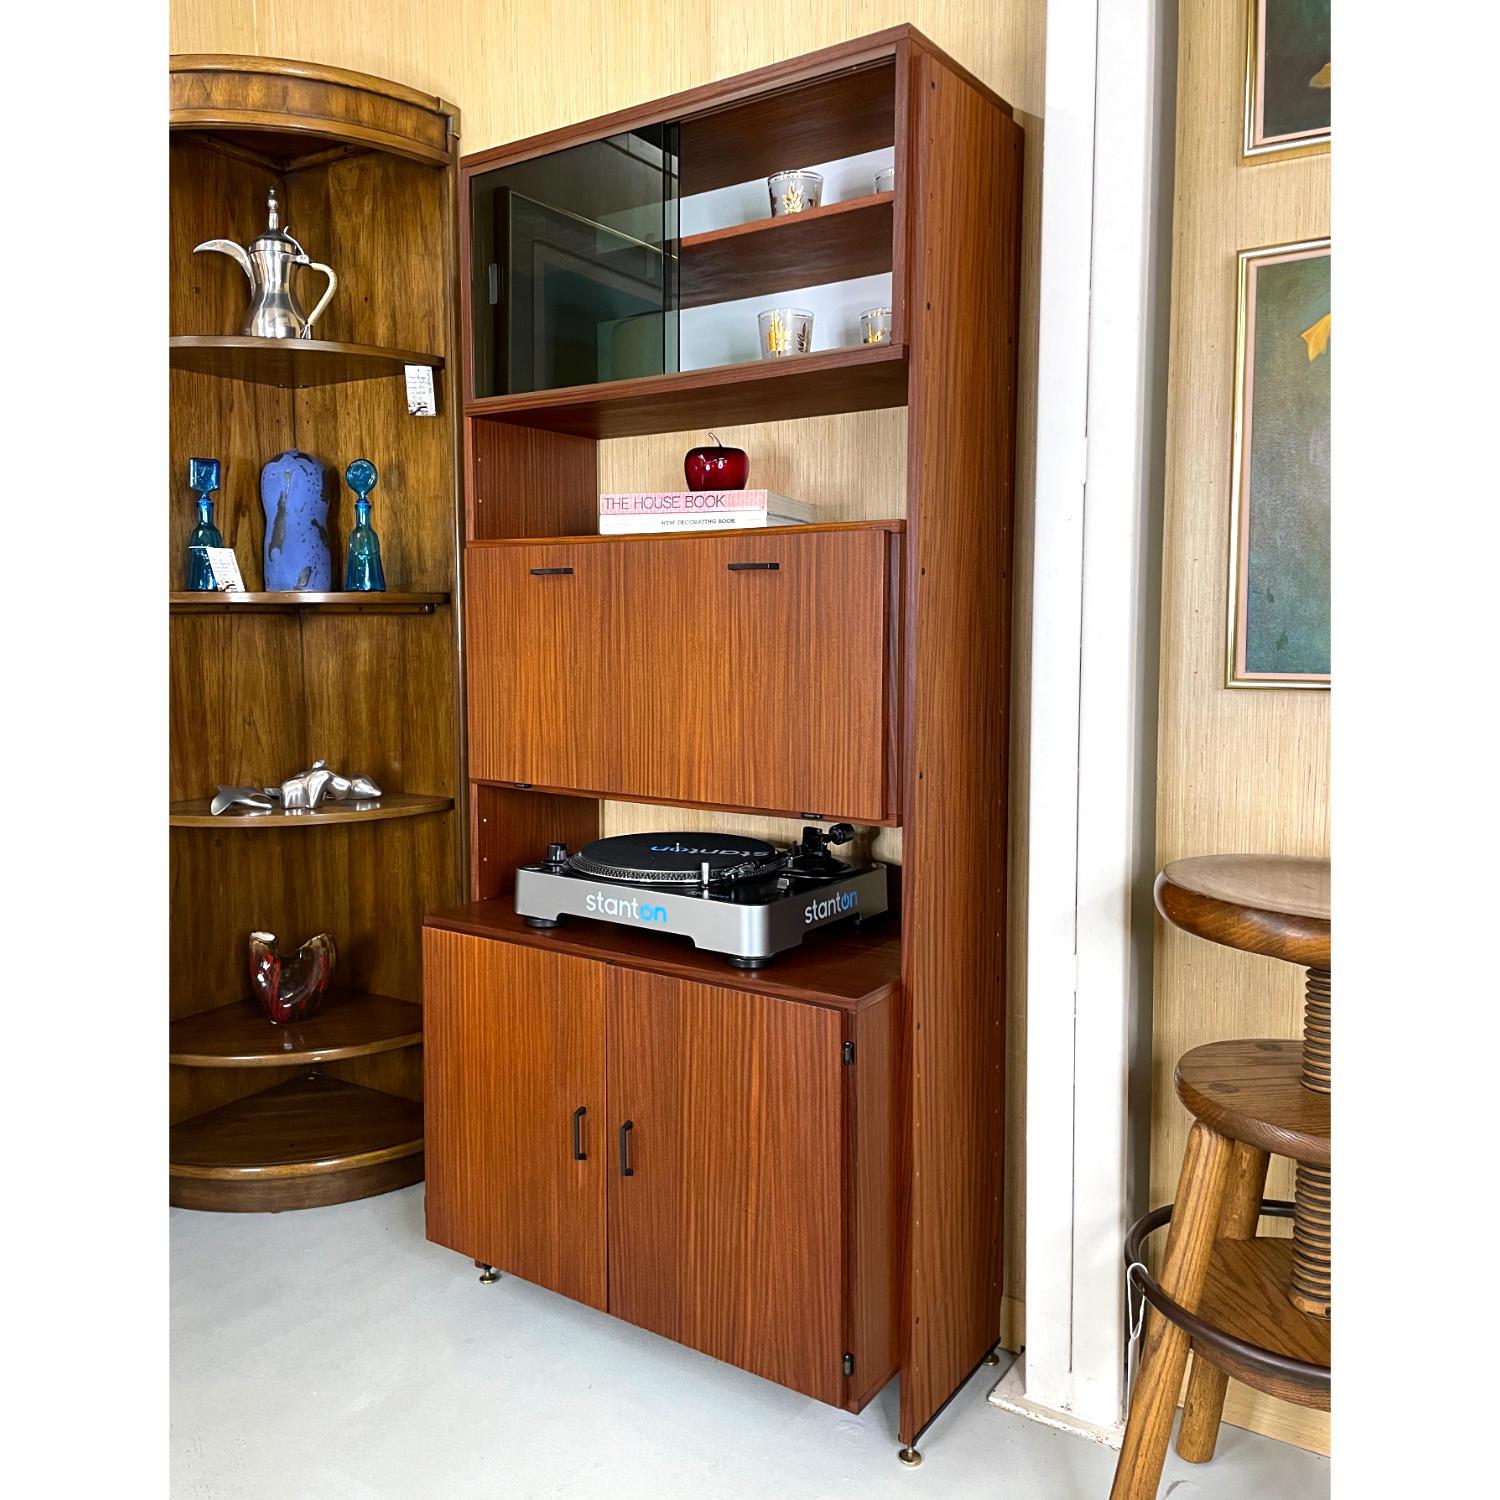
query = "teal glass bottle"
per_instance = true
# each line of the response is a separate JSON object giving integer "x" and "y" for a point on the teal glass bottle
{"x": 363, "y": 572}
{"x": 203, "y": 476}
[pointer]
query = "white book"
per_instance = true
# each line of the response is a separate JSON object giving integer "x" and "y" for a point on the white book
{"x": 734, "y": 520}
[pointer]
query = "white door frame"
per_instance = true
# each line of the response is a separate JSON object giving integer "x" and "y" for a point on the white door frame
{"x": 1105, "y": 257}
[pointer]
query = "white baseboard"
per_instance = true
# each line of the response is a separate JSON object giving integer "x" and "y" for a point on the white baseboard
{"x": 1010, "y": 1395}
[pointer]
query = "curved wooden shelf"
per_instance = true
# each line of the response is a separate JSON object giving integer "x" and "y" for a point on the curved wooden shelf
{"x": 184, "y": 602}
{"x": 1251, "y": 1090}
{"x": 843, "y": 240}
{"x": 312, "y": 1141}
{"x": 195, "y": 814}
{"x": 294, "y": 364}
{"x": 289, "y": 113}
{"x": 351, "y": 1024}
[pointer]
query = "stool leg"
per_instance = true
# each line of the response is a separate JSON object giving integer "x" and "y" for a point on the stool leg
{"x": 1204, "y": 1408}
{"x": 1195, "y": 1221}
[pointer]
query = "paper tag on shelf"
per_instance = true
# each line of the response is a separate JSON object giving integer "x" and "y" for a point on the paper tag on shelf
{"x": 225, "y": 567}
{"x": 421, "y": 400}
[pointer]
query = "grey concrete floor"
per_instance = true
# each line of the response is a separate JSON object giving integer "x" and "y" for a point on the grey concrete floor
{"x": 333, "y": 1354}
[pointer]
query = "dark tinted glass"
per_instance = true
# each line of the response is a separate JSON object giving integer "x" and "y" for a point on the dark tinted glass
{"x": 575, "y": 265}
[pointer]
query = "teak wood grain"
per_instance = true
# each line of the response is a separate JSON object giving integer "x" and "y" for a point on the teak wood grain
{"x": 302, "y": 1144}
{"x": 965, "y": 160}
{"x": 728, "y": 1237}
{"x": 843, "y": 970}
{"x": 298, "y": 108}
{"x": 842, "y": 240}
{"x": 862, "y": 378}
{"x": 370, "y": 686}
{"x": 291, "y": 363}
{"x": 514, "y": 1047}
{"x": 683, "y": 673}
{"x": 346, "y": 1025}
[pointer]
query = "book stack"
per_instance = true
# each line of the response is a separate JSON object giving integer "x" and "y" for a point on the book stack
{"x": 699, "y": 510}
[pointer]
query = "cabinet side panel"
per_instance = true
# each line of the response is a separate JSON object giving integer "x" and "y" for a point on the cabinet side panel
{"x": 514, "y": 1045}
{"x": 874, "y": 1252}
{"x": 966, "y": 173}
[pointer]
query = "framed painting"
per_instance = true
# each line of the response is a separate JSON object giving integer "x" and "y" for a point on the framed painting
{"x": 1288, "y": 76}
{"x": 1279, "y": 513}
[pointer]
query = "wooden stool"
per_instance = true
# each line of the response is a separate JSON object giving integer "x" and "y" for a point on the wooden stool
{"x": 1248, "y": 1306}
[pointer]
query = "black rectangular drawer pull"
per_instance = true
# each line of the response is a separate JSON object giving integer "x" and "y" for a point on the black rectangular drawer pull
{"x": 544, "y": 572}
{"x": 753, "y": 567}
{"x": 579, "y": 1154}
{"x": 626, "y": 1170}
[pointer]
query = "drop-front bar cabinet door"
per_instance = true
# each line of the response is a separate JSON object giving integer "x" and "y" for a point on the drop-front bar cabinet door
{"x": 746, "y": 670}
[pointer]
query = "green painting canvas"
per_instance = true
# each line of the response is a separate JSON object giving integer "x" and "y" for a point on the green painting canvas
{"x": 1293, "y": 72}
{"x": 1283, "y": 584}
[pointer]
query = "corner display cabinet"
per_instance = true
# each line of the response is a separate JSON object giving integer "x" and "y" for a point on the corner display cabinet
{"x": 263, "y": 683}
{"x": 794, "y": 1168}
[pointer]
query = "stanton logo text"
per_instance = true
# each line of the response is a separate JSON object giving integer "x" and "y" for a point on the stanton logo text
{"x": 625, "y": 906}
{"x": 839, "y": 904}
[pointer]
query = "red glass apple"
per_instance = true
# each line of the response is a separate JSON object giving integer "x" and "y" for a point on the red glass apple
{"x": 716, "y": 468}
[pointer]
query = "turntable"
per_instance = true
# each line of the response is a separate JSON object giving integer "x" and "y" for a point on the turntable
{"x": 741, "y": 897}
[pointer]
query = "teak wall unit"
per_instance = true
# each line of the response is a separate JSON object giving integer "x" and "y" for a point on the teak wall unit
{"x": 641, "y": 1126}
{"x": 262, "y": 683}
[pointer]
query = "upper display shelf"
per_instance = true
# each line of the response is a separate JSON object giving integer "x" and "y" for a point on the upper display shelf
{"x": 754, "y": 224}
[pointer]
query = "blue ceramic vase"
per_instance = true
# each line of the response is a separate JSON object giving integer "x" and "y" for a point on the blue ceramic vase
{"x": 296, "y": 551}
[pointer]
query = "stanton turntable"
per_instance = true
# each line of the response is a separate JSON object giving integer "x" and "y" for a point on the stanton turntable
{"x": 741, "y": 897}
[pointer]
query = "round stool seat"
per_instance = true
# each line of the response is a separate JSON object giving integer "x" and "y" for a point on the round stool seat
{"x": 1253, "y": 1092}
{"x": 1274, "y": 904}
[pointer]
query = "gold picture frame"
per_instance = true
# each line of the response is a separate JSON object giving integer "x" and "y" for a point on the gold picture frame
{"x": 1287, "y": 324}
{"x": 1273, "y": 68}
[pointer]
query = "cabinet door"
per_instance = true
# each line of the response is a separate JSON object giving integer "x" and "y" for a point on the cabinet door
{"x": 799, "y": 701}
{"x": 726, "y": 1189}
{"x": 514, "y": 1049}
{"x": 543, "y": 646}
{"x": 763, "y": 678}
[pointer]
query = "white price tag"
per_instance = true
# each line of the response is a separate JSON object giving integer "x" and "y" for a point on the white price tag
{"x": 421, "y": 399}
{"x": 225, "y": 567}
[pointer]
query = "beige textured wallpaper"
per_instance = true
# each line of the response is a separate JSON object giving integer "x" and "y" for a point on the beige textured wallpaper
{"x": 1239, "y": 770}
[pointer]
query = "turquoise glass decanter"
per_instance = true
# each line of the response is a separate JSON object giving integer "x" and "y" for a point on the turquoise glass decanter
{"x": 203, "y": 476}
{"x": 363, "y": 573}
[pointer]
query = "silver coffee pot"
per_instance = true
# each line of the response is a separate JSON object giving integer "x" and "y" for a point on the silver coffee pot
{"x": 274, "y": 312}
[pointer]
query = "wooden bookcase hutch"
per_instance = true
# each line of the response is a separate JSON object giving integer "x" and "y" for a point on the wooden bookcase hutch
{"x": 815, "y": 1183}
{"x": 263, "y": 683}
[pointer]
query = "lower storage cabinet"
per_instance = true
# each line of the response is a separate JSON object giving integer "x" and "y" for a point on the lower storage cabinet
{"x": 710, "y": 1163}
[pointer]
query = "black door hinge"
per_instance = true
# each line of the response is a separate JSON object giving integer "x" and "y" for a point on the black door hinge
{"x": 848, "y": 1052}
{"x": 848, "y": 1364}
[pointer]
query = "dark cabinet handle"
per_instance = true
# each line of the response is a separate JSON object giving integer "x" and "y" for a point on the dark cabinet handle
{"x": 547, "y": 572}
{"x": 626, "y": 1170}
{"x": 748, "y": 567}
{"x": 579, "y": 1154}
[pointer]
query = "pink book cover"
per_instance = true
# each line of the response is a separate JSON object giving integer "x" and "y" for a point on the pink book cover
{"x": 685, "y": 502}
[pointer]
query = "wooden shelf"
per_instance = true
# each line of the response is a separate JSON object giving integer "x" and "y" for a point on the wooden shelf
{"x": 1246, "y": 1296}
{"x": 841, "y": 240}
{"x": 809, "y": 385}
{"x": 312, "y": 1141}
{"x": 293, "y": 363}
{"x": 589, "y": 537}
{"x": 194, "y": 813}
{"x": 351, "y": 1024}
{"x": 845, "y": 971}
{"x": 183, "y": 602}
